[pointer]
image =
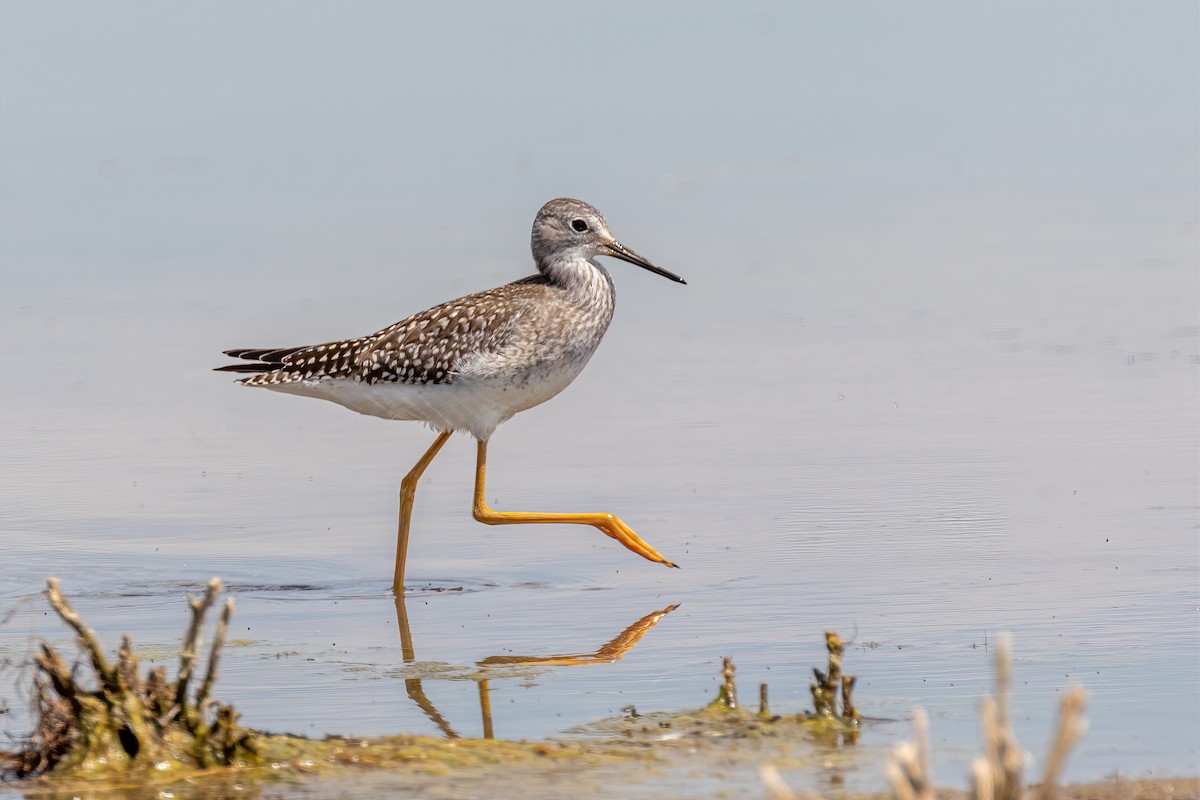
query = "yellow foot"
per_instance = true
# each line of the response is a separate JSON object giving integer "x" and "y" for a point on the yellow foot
{"x": 608, "y": 524}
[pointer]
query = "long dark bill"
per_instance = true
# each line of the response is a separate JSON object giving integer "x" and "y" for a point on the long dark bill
{"x": 618, "y": 250}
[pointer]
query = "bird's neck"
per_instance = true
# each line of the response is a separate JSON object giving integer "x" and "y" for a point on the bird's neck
{"x": 582, "y": 279}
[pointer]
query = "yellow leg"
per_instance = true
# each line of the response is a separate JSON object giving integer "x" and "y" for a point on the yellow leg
{"x": 408, "y": 490}
{"x": 609, "y": 524}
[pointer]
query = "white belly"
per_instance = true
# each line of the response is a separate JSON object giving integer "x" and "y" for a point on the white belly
{"x": 475, "y": 405}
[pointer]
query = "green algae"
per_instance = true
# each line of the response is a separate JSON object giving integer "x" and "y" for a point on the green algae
{"x": 282, "y": 759}
{"x": 133, "y": 734}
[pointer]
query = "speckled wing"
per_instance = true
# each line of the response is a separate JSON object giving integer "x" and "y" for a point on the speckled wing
{"x": 426, "y": 348}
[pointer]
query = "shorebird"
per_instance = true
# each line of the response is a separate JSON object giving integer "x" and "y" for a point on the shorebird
{"x": 472, "y": 363}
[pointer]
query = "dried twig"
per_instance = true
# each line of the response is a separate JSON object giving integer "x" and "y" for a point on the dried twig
{"x": 56, "y": 711}
{"x": 191, "y": 641}
{"x": 86, "y": 635}
{"x": 1071, "y": 727}
{"x": 215, "y": 655}
{"x": 909, "y": 768}
{"x": 849, "y": 712}
{"x": 997, "y": 775}
{"x": 777, "y": 789}
{"x": 728, "y": 692}
{"x": 825, "y": 689}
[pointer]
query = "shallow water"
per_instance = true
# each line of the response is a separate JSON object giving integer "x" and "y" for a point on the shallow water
{"x": 934, "y": 376}
{"x": 844, "y": 452}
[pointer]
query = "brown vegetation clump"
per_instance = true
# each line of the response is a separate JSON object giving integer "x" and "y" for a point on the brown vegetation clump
{"x": 121, "y": 719}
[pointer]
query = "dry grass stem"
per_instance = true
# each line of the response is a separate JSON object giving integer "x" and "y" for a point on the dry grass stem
{"x": 1071, "y": 727}
{"x": 909, "y": 768}
{"x": 997, "y": 774}
{"x": 777, "y": 789}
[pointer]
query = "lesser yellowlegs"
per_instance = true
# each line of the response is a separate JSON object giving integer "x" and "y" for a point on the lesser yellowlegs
{"x": 472, "y": 363}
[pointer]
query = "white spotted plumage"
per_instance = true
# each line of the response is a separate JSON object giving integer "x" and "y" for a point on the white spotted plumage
{"x": 471, "y": 363}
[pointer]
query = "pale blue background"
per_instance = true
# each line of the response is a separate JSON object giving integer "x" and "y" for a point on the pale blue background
{"x": 177, "y": 142}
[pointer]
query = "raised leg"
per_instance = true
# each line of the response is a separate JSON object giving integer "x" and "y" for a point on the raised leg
{"x": 609, "y": 524}
{"x": 408, "y": 490}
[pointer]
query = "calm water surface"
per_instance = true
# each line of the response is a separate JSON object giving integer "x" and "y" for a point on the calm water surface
{"x": 919, "y": 456}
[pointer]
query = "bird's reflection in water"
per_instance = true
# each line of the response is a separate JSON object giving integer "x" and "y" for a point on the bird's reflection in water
{"x": 608, "y": 652}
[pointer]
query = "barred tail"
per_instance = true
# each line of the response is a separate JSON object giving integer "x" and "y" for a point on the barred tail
{"x": 258, "y": 360}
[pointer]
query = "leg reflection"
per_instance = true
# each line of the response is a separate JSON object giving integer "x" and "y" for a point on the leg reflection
{"x": 412, "y": 686}
{"x": 608, "y": 652}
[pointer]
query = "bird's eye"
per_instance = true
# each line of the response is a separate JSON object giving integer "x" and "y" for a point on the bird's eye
{"x": 579, "y": 225}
